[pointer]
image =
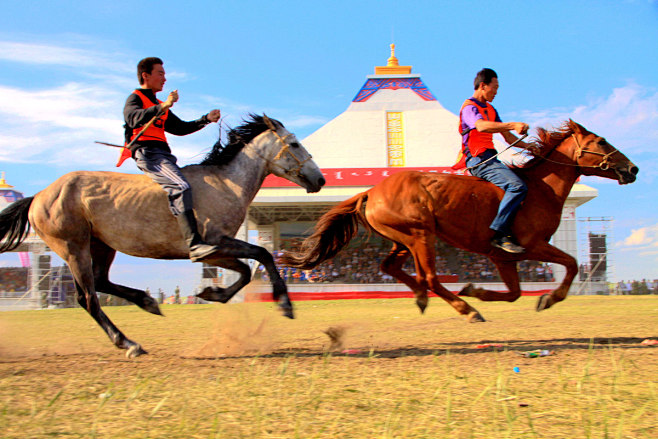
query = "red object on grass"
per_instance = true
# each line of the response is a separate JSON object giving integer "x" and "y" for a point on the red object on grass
{"x": 351, "y": 351}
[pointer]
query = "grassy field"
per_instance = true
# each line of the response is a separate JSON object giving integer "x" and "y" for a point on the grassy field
{"x": 242, "y": 371}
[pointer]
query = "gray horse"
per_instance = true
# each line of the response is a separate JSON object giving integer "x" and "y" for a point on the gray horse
{"x": 86, "y": 217}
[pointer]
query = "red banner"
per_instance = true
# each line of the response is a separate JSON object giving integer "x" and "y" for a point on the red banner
{"x": 357, "y": 176}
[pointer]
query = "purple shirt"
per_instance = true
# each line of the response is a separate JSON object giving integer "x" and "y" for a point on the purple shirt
{"x": 471, "y": 114}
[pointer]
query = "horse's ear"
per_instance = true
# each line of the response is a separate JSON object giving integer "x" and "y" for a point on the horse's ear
{"x": 268, "y": 122}
{"x": 576, "y": 127}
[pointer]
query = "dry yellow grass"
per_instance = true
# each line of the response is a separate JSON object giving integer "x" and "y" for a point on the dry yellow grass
{"x": 233, "y": 371}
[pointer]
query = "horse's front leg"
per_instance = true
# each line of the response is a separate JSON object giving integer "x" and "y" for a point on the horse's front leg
{"x": 548, "y": 253}
{"x": 424, "y": 257}
{"x": 234, "y": 248}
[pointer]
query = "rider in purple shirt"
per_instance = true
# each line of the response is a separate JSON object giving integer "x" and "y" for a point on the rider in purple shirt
{"x": 482, "y": 162}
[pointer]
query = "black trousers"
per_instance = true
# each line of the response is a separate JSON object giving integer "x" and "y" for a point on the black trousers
{"x": 161, "y": 167}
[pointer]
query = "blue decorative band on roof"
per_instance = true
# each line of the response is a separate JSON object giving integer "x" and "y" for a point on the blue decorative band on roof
{"x": 373, "y": 85}
{"x": 10, "y": 195}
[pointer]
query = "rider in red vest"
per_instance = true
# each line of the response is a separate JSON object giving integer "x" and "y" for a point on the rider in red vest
{"x": 478, "y": 121}
{"x": 151, "y": 151}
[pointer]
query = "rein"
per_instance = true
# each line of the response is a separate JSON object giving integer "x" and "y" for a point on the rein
{"x": 603, "y": 164}
{"x": 493, "y": 157}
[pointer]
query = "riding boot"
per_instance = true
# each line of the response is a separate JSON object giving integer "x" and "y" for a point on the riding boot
{"x": 506, "y": 242}
{"x": 199, "y": 250}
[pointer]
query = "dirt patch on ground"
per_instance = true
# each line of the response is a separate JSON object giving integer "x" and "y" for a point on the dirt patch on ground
{"x": 236, "y": 333}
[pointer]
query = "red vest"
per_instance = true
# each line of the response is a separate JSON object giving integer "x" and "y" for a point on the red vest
{"x": 477, "y": 142}
{"x": 155, "y": 131}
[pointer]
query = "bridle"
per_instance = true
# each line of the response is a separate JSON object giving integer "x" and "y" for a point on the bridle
{"x": 604, "y": 165}
{"x": 284, "y": 149}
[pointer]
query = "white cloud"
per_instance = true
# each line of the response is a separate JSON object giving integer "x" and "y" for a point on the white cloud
{"x": 30, "y": 53}
{"x": 637, "y": 254}
{"x": 643, "y": 239}
{"x": 628, "y": 117}
{"x": 58, "y": 124}
{"x": 73, "y": 105}
{"x": 305, "y": 121}
{"x": 106, "y": 65}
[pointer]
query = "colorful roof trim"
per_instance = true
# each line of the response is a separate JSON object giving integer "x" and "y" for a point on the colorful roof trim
{"x": 373, "y": 85}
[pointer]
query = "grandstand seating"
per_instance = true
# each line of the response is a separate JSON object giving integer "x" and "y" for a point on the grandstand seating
{"x": 360, "y": 264}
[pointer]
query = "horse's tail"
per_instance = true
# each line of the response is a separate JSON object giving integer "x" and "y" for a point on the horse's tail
{"x": 14, "y": 224}
{"x": 333, "y": 231}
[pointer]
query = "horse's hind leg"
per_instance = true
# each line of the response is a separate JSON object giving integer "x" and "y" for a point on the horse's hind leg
{"x": 78, "y": 258}
{"x": 102, "y": 257}
{"x": 509, "y": 274}
{"x": 392, "y": 265}
{"x": 223, "y": 295}
{"x": 424, "y": 256}
{"x": 231, "y": 248}
{"x": 121, "y": 341}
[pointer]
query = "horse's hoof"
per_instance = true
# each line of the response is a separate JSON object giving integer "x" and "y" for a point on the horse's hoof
{"x": 135, "y": 351}
{"x": 213, "y": 294}
{"x": 475, "y": 317}
{"x": 467, "y": 290}
{"x": 287, "y": 312}
{"x": 544, "y": 302}
{"x": 151, "y": 305}
{"x": 422, "y": 305}
{"x": 206, "y": 294}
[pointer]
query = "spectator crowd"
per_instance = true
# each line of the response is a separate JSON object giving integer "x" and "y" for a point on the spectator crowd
{"x": 633, "y": 287}
{"x": 13, "y": 279}
{"x": 360, "y": 264}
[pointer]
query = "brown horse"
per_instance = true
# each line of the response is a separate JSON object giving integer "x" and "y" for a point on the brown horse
{"x": 413, "y": 208}
{"x": 86, "y": 217}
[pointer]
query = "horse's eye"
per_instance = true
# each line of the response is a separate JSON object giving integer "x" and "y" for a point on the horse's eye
{"x": 294, "y": 144}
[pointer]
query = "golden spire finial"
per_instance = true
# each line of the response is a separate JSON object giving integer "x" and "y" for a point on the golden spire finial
{"x": 392, "y": 67}
{"x": 3, "y": 182}
{"x": 393, "y": 61}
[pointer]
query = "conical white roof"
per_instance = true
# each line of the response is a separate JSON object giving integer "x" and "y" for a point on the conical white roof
{"x": 360, "y": 137}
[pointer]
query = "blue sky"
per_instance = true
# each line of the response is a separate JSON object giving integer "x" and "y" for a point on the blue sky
{"x": 66, "y": 68}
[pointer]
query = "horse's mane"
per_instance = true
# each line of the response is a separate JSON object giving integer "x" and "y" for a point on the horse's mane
{"x": 238, "y": 137}
{"x": 546, "y": 141}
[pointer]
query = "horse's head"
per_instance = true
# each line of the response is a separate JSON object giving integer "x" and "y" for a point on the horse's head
{"x": 595, "y": 156}
{"x": 287, "y": 157}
